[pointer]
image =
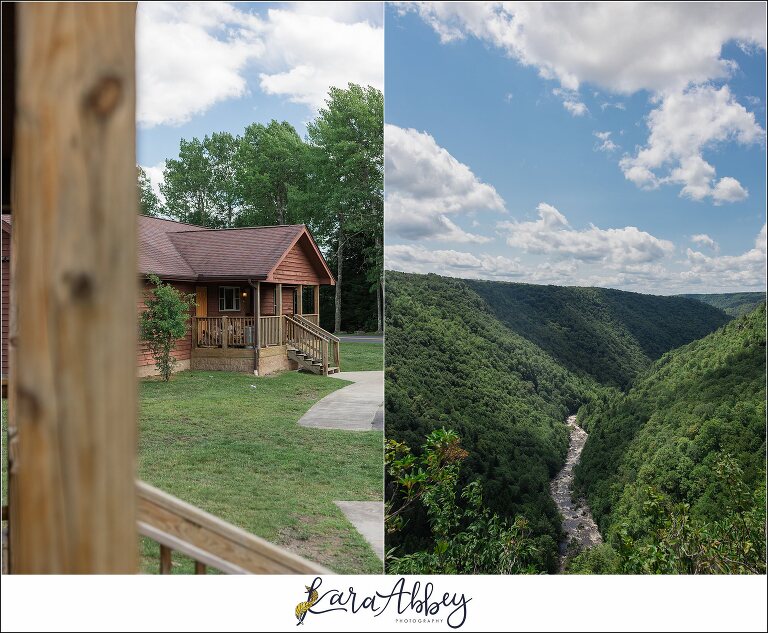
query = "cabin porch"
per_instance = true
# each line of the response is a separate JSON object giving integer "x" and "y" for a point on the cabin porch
{"x": 225, "y": 330}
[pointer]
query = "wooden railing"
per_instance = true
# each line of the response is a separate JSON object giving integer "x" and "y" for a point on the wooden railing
{"x": 314, "y": 319}
{"x": 334, "y": 341}
{"x": 227, "y": 331}
{"x": 307, "y": 340}
{"x": 210, "y": 541}
{"x": 269, "y": 331}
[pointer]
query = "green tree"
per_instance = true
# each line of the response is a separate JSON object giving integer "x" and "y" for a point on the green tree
{"x": 270, "y": 167}
{"x": 345, "y": 175}
{"x": 149, "y": 203}
{"x": 221, "y": 152}
{"x": 164, "y": 321}
{"x": 466, "y": 537}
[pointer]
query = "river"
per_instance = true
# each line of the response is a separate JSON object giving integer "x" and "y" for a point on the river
{"x": 578, "y": 524}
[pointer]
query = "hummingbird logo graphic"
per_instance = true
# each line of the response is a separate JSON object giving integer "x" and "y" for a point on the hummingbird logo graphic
{"x": 303, "y": 607}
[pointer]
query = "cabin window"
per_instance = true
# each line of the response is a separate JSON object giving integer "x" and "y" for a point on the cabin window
{"x": 229, "y": 299}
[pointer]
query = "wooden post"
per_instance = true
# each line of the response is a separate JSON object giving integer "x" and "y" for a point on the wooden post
{"x": 200, "y": 568}
{"x": 300, "y": 299}
{"x": 224, "y": 332}
{"x": 165, "y": 559}
{"x": 279, "y": 311}
{"x": 257, "y": 310}
{"x": 316, "y": 301}
{"x": 73, "y": 373}
{"x": 325, "y": 357}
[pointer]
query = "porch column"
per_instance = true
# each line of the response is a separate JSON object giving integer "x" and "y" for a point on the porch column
{"x": 316, "y": 301}
{"x": 257, "y": 313}
{"x": 300, "y": 300}
{"x": 279, "y": 311}
{"x": 73, "y": 359}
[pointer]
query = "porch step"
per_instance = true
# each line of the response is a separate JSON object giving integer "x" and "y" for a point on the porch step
{"x": 304, "y": 361}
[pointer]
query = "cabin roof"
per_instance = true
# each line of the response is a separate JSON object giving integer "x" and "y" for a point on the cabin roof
{"x": 184, "y": 251}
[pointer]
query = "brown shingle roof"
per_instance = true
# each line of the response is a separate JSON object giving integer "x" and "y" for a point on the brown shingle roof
{"x": 184, "y": 251}
{"x": 247, "y": 252}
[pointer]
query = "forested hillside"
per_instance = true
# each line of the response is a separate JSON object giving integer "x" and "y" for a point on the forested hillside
{"x": 733, "y": 303}
{"x": 691, "y": 430}
{"x": 610, "y": 335}
{"x": 454, "y": 361}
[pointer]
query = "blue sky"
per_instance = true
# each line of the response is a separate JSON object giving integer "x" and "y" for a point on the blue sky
{"x": 214, "y": 67}
{"x": 538, "y": 150}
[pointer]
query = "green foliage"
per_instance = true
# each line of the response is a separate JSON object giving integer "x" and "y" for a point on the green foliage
{"x": 607, "y": 334}
{"x": 165, "y": 320}
{"x": 467, "y": 537}
{"x": 270, "y": 172}
{"x": 735, "y": 304}
{"x": 601, "y": 559}
{"x": 661, "y": 464}
{"x": 149, "y": 203}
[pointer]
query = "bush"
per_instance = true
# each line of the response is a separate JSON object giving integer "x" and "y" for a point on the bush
{"x": 164, "y": 321}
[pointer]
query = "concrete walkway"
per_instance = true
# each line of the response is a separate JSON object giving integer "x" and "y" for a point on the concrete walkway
{"x": 356, "y": 407}
{"x": 362, "y": 338}
{"x": 368, "y": 519}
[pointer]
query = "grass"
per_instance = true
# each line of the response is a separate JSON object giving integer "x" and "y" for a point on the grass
{"x": 361, "y": 356}
{"x": 230, "y": 444}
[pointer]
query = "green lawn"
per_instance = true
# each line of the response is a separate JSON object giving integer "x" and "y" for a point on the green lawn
{"x": 361, "y": 356}
{"x": 230, "y": 444}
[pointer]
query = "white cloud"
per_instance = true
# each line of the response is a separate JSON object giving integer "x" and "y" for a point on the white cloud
{"x": 672, "y": 50}
{"x": 621, "y": 46}
{"x": 613, "y": 104}
{"x": 155, "y": 175}
{"x": 605, "y": 144}
{"x": 702, "y": 239}
{"x": 681, "y": 128}
{"x": 552, "y": 235}
{"x": 746, "y": 270}
{"x": 571, "y": 101}
{"x": 425, "y": 185}
{"x": 191, "y": 55}
{"x": 417, "y": 259}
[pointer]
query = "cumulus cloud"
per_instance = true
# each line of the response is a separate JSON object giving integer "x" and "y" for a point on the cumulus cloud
{"x": 425, "y": 186}
{"x": 702, "y": 239}
{"x": 191, "y": 55}
{"x": 604, "y": 144}
{"x": 155, "y": 175}
{"x": 681, "y": 128}
{"x": 671, "y": 50}
{"x": 551, "y": 234}
{"x": 746, "y": 270}
{"x": 417, "y": 259}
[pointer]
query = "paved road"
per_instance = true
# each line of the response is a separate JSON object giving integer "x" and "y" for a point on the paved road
{"x": 362, "y": 338}
{"x": 356, "y": 407}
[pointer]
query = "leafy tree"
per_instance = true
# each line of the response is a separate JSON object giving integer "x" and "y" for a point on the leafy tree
{"x": 220, "y": 150}
{"x": 149, "y": 203}
{"x": 467, "y": 538}
{"x": 270, "y": 167}
{"x": 165, "y": 320}
{"x": 346, "y": 174}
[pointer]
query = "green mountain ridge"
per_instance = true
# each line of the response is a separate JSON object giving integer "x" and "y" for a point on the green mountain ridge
{"x": 734, "y": 304}
{"x": 503, "y": 365}
{"x": 695, "y": 406}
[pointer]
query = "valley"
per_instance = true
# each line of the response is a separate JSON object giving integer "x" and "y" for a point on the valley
{"x": 670, "y": 391}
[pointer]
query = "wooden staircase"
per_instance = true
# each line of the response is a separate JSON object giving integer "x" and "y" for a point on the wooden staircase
{"x": 311, "y": 347}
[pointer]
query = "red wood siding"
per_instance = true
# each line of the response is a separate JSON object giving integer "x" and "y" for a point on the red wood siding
{"x": 287, "y": 300}
{"x": 267, "y": 300}
{"x": 183, "y": 349}
{"x": 213, "y": 300}
{"x": 298, "y": 268}
{"x": 5, "y": 304}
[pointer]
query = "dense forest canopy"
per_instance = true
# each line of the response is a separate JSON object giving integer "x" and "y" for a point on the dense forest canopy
{"x": 734, "y": 303}
{"x": 610, "y": 335}
{"x": 698, "y": 407}
{"x": 455, "y": 361}
{"x": 332, "y": 181}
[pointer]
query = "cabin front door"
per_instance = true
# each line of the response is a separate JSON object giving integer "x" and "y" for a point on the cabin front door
{"x": 201, "y": 301}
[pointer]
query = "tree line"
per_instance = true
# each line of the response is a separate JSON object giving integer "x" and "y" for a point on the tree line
{"x": 332, "y": 181}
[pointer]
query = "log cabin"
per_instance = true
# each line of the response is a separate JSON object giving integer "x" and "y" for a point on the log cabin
{"x": 274, "y": 272}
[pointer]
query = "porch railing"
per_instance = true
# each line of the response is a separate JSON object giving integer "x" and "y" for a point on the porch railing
{"x": 333, "y": 341}
{"x": 312, "y": 318}
{"x": 210, "y": 541}
{"x": 269, "y": 331}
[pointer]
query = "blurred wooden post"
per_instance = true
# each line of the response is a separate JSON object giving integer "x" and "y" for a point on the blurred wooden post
{"x": 73, "y": 373}
{"x": 165, "y": 559}
{"x": 279, "y": 312}
{"x": 224, "y": 332}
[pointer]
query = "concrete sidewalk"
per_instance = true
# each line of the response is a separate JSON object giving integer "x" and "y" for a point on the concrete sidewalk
{"x": 356, "y": 407}
{"x": 368, "y": 519}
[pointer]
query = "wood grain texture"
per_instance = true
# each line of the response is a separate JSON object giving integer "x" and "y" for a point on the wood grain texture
{"x": 190, "y": 530}
{"x": 74, "y": 362}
